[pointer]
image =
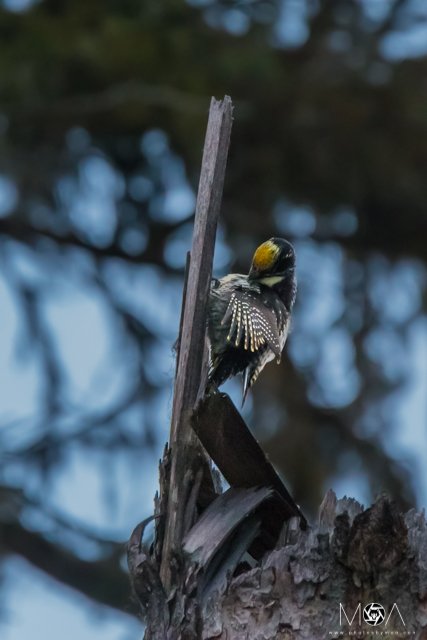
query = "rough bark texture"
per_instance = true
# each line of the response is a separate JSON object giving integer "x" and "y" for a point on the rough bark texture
{"x": 295, "y": 590}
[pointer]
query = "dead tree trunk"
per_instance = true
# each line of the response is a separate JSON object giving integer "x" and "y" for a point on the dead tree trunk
{"x": 353, "y": 573}
{"x": 244, "y": 564}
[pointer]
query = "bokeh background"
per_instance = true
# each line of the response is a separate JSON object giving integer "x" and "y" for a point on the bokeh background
{"x": 103, "y": 108}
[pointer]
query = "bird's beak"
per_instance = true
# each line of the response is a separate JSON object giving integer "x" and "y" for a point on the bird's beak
{"x": 253, "y": 273}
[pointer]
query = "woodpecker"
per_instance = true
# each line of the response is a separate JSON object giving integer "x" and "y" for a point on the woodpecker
{"x": 249, "y": 315}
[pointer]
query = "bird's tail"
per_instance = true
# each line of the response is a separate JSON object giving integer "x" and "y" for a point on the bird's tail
{"x": 249, "y": 377}
{"x": 251, "y": 373}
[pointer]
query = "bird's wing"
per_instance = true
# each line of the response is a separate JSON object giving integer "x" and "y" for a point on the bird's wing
{"x": 253, "y": 326}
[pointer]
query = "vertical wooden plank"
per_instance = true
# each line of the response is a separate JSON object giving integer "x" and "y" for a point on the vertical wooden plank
{"x": 193, "y": 327}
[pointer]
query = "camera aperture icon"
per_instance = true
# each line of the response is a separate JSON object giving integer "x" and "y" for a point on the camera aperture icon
{"x": 374, "y": 613}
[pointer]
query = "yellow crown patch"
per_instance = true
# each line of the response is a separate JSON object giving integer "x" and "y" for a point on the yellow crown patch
{"x": 265, "y": 256}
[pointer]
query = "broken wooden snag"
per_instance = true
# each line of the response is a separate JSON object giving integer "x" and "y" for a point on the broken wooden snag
{"x": 191, "y": 366}
{"x": 235, "y": 451}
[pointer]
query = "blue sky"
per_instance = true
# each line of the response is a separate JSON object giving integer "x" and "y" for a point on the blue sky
{"x": 35, "y": 607}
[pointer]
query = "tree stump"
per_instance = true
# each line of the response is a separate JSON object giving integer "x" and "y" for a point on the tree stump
{"x": 354, "y": 573}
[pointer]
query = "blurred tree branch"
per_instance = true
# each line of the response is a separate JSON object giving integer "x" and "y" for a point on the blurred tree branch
{"x": 23, "y": 231}
{"x": 103, "y": 580}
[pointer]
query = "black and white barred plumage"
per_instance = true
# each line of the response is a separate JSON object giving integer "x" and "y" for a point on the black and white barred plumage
{"x": 249, "y": 315}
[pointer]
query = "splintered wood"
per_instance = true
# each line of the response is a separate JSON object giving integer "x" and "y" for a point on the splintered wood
{"x": 183, "y": 444}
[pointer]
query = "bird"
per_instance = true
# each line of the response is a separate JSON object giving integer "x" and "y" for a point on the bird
{"x": 249, "y": 315}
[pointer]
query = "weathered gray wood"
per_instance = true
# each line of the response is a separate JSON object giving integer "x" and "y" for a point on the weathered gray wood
{"x": 304, "y": 589}
{"x": 220, "y": 520}
{"x": 183, "y": 445}
{"x": 239, "y": 522}
{"x": 145, "y": 580}
{"x": 221, "y": 536}
{"x": 235, "y": 451}
{"x": 353, "y": 556}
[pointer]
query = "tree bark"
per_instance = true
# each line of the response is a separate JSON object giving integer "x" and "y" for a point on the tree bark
{"x": 315, "y": 584}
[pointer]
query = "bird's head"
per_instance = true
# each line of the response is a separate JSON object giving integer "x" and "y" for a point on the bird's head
{"x": 272, "y": 262}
